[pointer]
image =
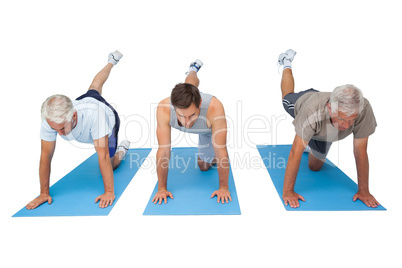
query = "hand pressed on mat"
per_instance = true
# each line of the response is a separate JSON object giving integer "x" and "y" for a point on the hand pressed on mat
{"x": 222, "y": 194}
{"x": 162, "y": 195}
{"x": 292, "y": 198}
{"x": 39, "y": 201}
{"x": 105, "y": 199}
{"x": 366, "y": 198}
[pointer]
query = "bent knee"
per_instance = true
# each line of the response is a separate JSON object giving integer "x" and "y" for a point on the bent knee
{"x": 204, "y": 166}
{"x": 313, "y": 167}
{"x": 315, "y": 163}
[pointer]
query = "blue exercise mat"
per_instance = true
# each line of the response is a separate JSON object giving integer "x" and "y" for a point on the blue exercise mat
{"x": 192, "y": 188}
{"x": 75, "y": 193}
{"x": 326, "y": 190}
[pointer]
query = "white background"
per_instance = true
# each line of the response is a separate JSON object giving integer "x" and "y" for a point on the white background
{"x": 53, "y": 47}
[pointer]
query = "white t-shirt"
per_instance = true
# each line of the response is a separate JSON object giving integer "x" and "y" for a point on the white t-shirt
{"x": 95, "y": 120}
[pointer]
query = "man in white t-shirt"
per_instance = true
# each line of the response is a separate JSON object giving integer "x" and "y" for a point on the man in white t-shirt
{"x": 88, "y": 119}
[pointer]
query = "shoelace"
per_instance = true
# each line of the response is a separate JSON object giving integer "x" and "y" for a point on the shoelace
{"x": 279, "y": 66}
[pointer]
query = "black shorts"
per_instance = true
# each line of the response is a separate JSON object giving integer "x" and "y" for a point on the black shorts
{"x": 319, "y": 149}
{"x": 113, "y": 138}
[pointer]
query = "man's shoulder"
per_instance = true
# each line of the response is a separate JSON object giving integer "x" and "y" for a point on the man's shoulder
{"x": 88, "y": 104}
{"x": 163, "y": 110}
{"x": 319, "y": 97}
{"x": 215, "y": 107}
{"x": 215, "y": 103}
{"x": 315, "y": 101}
{"x": 46, "y": 132}
{"x": 367, "y": 104}
{"x": 164, "y": 105}
{"x": 367, "y": 110}
{"x": 165, "y": 101}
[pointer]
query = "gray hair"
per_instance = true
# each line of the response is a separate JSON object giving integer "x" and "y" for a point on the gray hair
{"x": 348, "y": 99}
{"x": 58, "y": 109}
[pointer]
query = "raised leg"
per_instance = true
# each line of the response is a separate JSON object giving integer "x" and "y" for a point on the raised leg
{"x": 101, "y": 78}
{"x": 192, "y": 78}
{"x": 288, "y": 82}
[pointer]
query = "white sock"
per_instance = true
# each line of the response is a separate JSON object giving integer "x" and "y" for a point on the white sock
{"x": 124, "y": 152}
{"x": 123, "y": 147}
{"x": 287, "y": 64}
{"x": 192, "y": 69}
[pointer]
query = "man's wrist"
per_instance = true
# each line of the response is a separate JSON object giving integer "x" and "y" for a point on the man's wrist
{"x": 363, "y": 189}
{"x": 287, "y": 190}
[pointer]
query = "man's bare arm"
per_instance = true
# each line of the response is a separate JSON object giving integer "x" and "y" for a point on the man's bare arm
{"x": 362, "y": 166}
{"x": 47, "y": 151}
{"x": 216, "y": 115}
{"x": 163, "y": 135}
{"x": 106, "y": 169}
{"x": 292, "y": 168}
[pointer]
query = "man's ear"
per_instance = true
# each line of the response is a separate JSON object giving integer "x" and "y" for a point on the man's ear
{"x": 329, "y": 107}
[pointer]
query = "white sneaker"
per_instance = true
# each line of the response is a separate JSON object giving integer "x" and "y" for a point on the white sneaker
{"x": 289, "y": 55}
{"x": 114, "y": 57}
{"x": 195, "y": 66}
{"x": 123, "y": 147}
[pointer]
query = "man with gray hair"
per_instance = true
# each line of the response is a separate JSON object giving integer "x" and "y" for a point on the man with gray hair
{"x": 88, "y": 119}
{"x": 321, "y": 118}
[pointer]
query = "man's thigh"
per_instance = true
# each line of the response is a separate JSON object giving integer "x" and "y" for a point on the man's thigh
{"x": 206, "y": 151}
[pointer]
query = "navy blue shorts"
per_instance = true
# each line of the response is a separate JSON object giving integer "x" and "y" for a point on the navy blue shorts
{"x": 319, "y": 149}
{"x": 290, "y": 99}
{"x": 113, "y": 138}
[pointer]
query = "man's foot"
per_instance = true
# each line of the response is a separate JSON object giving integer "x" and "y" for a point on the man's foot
{"x": 114, "y": 57}
{"x": 195, "y": 66}
{"x": 123, "y": 147}
{"x": 286, "y": 58}
{"x": 307, "y": 149}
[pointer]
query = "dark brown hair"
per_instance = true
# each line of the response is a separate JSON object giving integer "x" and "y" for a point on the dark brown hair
{"x": 183, "y": 95}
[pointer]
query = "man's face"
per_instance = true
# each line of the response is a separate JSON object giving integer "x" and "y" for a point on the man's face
{"x": 63, "y": 128}
{"x": 188, "y": 116}
{"x": 340, "y": 120}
